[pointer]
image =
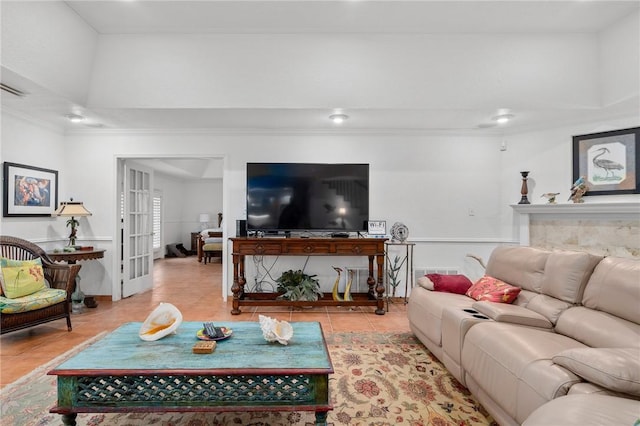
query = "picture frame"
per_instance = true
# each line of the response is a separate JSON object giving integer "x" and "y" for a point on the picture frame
{"x": 608, "y": 161}
{"x": 377, "y": 227}
{"x": 28, "y": 190}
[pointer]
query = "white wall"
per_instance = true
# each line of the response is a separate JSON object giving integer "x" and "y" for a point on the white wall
{"x": 200, "y": 196}
{"x": 184, "y": 200}
{"x": 171, "y": 190}
{"x": 548, "y": 156}
{"x": 619, "y": 62}
{"x": 25, "y": 142}
{"x": 295, "y": 70}
{"x": 50, "y": 45}
{"x": 453, "y": 192}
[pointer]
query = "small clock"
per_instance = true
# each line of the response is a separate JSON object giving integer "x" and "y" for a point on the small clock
{"x": 399, "y": 232}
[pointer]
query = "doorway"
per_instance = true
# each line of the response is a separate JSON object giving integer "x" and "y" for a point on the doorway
{"x": 183, "y": 188}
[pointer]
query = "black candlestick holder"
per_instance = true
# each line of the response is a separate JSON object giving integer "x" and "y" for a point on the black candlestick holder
{"x": 524, "y": 190}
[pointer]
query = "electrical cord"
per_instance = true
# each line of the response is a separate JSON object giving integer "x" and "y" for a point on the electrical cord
{"x": 261, "y": 280}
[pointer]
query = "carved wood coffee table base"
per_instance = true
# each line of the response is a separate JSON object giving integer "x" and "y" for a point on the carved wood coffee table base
{"x": 122, "y": 373}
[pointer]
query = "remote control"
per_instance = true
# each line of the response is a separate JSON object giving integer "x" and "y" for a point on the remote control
{"x": 212, "y": 331}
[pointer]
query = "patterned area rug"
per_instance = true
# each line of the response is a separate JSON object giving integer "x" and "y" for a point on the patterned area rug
{"x": 380, "y": 379}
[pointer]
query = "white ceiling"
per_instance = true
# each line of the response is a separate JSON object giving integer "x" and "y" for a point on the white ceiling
{"x": 350, "y": 16}
{"x": 327, "y": 17}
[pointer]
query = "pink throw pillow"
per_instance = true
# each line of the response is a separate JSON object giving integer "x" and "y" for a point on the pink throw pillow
{"x": 493, "y": 290}
{"x": 457, "y": 284}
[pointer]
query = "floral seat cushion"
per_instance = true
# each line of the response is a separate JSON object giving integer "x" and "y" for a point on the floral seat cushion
{"x": 40, "y": 299}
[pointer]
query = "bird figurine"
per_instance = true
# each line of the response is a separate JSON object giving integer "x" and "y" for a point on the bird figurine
{"x": 335, "y": 293}
{"x": 347, "y": 290}
{"x": 550, "y": 196}
{"x": 578, "y": 189}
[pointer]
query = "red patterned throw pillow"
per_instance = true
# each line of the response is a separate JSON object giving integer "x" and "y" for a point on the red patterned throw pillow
{"x": 493, "y": 290}
{"x": 458, "y": 284}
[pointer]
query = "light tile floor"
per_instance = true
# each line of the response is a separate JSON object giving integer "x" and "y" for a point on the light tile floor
{"x": 192, "y": 287}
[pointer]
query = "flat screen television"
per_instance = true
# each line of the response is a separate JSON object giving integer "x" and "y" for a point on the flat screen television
{"x": 307, "y": 197}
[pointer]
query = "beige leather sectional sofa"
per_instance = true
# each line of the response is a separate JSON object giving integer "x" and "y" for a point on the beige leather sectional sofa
{"x": 567, "y": 351}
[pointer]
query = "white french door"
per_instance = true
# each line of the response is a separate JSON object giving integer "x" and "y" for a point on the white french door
{"x": 137, "y": 271}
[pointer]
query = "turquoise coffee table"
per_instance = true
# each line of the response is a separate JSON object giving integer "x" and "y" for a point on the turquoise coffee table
{"x": 122, "y": 373}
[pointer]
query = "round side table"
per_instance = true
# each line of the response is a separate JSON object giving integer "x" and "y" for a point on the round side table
{"x": 71, "y": 257}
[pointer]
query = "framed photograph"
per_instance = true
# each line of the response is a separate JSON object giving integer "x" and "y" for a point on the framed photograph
{"x": 377, "y": 227}
{"x": 29, "y": 191}
{"x": 608, "y": 161}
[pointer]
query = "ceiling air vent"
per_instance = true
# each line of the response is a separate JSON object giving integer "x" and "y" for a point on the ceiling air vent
{"x": 12, "y": 90}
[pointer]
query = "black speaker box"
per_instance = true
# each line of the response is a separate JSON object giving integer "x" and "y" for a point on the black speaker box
{"x": 241, "y": 228}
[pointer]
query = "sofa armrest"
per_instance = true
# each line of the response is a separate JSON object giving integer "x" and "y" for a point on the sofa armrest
{"x": 504, "y": 312}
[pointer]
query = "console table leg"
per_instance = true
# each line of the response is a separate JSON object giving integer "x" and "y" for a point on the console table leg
{"x": 236, "y": 288}
{"x": 380, "y": 285}
{"x": 321, "y": 418}
{"x": 69, "y": 419}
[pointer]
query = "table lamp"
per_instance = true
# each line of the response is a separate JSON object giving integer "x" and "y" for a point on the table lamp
{"x": 204, "y": 221}
{"x": 72, "y": 209}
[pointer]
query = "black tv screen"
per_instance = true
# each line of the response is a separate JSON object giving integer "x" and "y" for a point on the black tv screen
{"x": 307, "y": 197}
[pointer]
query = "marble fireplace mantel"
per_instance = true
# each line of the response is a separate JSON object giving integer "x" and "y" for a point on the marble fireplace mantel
{"x": 607, "y": 228}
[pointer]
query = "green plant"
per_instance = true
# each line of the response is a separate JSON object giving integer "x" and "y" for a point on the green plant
{"x": 393, "y": 272}
{"x": 296, "y": 285}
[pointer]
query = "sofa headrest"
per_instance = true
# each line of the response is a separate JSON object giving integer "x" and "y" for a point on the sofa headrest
{"x": 518, "y": 265}
{"x": 614, "y": 287}
{"x": 566, "y": 273}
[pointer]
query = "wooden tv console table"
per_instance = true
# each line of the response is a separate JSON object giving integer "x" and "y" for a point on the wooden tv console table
{"x": 373, "y": 248}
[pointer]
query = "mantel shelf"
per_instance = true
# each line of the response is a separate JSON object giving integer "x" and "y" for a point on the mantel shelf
{"x": 525, "y": 213}
{"x": 580, "y": 209}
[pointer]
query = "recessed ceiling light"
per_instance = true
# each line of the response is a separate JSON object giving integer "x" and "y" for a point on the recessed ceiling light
{"x": 338, "y": 118}
{"x": 75, "y": 118}
{"x": 503, "y": 118}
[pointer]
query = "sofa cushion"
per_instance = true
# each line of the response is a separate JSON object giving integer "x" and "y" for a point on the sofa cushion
{"x": 614, "y": 287}
{"x": 41, "y": 299}
{"x": 458, "y": 284}
{"x": 598, "y": 329}
{"x": 585, "y": 410}
{"x": 566, "y": 273}
{"x": 547, "y": 306}
{"x": 212, "y": 247}
{"x": 21, "y": 278}
{"x": 493, "y": 290}
{"x": 617, "y": 369}
{"x": 519, "y": 266}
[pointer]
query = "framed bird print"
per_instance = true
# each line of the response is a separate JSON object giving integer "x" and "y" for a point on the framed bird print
{"x": 608, "y": 161}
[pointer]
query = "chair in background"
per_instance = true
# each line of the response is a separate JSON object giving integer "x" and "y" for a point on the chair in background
{"x": 39, "y": 307}
{"x": 210, "y": 243}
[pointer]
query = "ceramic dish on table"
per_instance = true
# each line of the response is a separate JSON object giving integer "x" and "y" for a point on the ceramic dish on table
{"x": 203, "y": 336}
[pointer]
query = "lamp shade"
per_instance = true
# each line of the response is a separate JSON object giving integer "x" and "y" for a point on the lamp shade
{"x": 71, "y": 208}
{"x": 204, "y": 218}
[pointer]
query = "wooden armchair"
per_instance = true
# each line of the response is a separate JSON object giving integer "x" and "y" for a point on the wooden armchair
{"x": 60, "y": 276}
{"x": 207, "y": 251}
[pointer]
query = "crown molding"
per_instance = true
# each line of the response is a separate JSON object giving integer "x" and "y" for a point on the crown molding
{"x": 33, "y": 121}
{"x": 631, "y": 207}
